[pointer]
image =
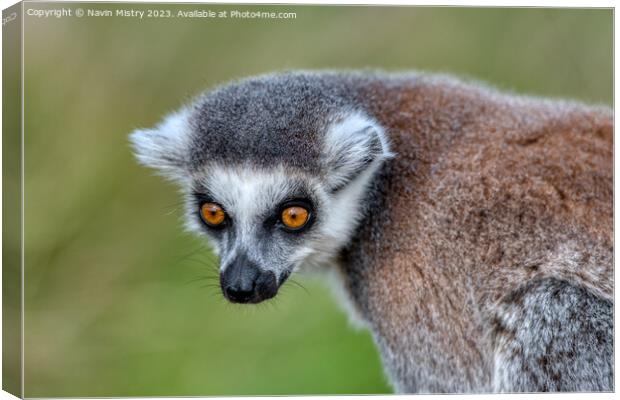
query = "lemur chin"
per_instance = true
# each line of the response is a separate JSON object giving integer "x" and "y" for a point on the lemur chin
{"x": 469, "y": 230}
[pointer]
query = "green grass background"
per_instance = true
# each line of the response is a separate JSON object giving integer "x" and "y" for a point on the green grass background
{"x": 109, "y": 310}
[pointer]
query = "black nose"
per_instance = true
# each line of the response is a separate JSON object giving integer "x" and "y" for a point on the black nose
{"x": 244, "y": 282}
{"x": 239, "y": 295}
{"x": 241, "y": 288}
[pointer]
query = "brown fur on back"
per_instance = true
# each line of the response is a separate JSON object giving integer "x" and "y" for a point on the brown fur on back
{"x": 487, "y": 193}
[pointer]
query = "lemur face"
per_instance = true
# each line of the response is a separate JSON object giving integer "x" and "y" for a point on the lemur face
{"x": 273, "y": 170}
{"x": 264, "y": 223}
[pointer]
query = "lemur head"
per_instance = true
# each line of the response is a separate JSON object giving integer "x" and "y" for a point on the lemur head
{"x": 274, "y": 171}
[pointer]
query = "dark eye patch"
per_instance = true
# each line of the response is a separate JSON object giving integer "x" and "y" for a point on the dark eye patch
{"x": 296, "y": 215}
{"x": 202, "y": 195}
{"x": 273, "y": 220}
{"x": 200, "y": 198}
{"x": 298, "y": 194}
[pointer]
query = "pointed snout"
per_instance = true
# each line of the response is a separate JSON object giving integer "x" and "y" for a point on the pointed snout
{"x": 243, "y": 281}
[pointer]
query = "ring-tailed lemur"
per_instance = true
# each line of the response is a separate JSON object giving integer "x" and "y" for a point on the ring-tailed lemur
{"x": 471, "y": 230}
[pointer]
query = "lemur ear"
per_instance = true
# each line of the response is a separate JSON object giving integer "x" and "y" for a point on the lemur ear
{"x": 353, "y": 144}
{"x": 164, "y": 147}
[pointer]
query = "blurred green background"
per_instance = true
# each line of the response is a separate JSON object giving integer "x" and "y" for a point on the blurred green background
{"x": 111, "y": 309}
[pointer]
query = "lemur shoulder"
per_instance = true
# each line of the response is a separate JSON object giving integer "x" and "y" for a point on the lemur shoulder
{"x": 470, "y": 229}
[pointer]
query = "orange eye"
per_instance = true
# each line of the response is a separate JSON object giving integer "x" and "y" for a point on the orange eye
{"x": 295, "y": 217}
{"x": 212, "y": 214}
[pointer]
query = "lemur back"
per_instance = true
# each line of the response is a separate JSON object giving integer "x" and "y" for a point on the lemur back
{"x": 486, "y": 260}
{"x": 471, "y": 230}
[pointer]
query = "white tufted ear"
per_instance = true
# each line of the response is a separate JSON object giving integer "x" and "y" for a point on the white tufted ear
{"x": 354, "y": 143}
{"x": 166, "y": 146}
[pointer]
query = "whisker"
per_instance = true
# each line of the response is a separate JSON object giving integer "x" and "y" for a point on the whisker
{"x": 294, "y": 282}
{"x": 210, "y": 264}
{"x": 202, "y": 278}
{"x": 192, "y": 253}
{"x": 210, "y": 285}
{"x": 175, "y": 204}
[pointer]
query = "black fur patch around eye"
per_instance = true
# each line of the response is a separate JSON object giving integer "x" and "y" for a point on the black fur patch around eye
{"x": 297, "y": 202}
{"x": 204, "y": 196}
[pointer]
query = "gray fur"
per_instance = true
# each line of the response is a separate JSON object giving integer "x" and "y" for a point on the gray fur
{"x": 471, "y": 230}
{"x": 550, "y": 335}
{"x": 275, "y": 121}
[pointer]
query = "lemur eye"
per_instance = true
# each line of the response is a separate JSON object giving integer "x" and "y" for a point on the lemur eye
{"x": 295, "y": 217}
{"x": 212, "y": 214}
